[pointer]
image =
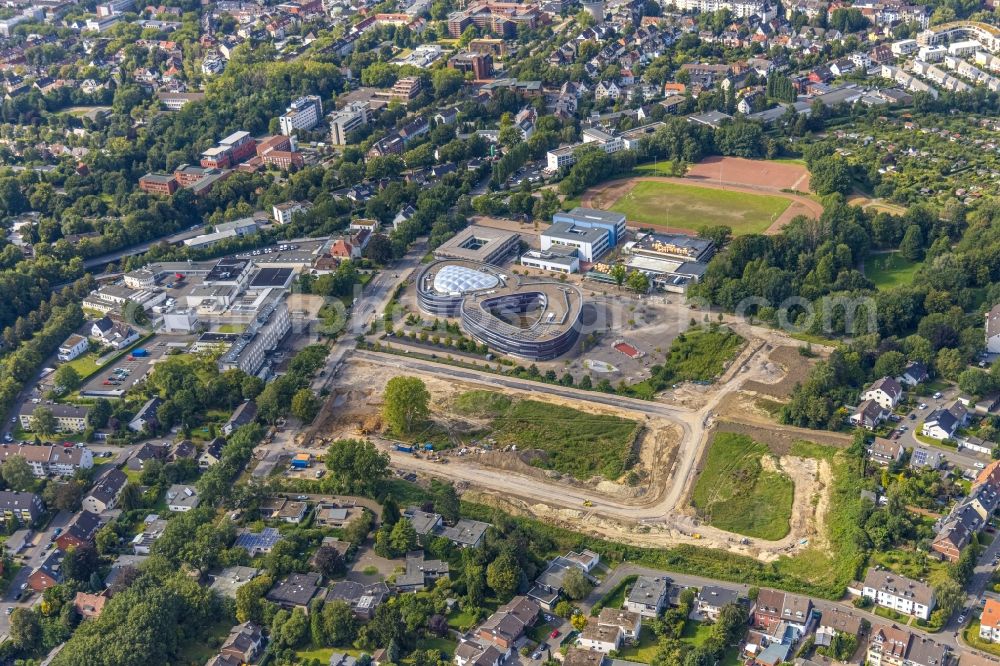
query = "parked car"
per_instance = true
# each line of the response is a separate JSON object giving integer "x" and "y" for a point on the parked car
{"x": 937, "y": 395}
{"x": 554, "y": 634}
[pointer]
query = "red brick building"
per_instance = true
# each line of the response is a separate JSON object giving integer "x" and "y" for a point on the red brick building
{"x": 158, "y": 183}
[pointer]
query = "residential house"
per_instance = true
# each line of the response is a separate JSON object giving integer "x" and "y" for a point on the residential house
{"x": 648, "y": 595}
{"x": 212, "y": 453}
{"x": 45, "y": 460}
{"x": 105, "y": 493}
{"x": 244, "y": 414}
{"x": 152, "y": 529}
{"x": 228, "y": 581}
{"x": 914, "y": 373}
{"x": 184, "y": 449}
{"x": 257, "y": 543}
{"x": 182, "y": 498}
{"x": 869, "y": 414}
{"x": 363, "y": 599}
{"x": 137, "y": 461}
{"x": 48, "y": 573}
{"x": 69, "y": 418}
{"x": 993, "y": 330}
{"x": 924, "y": 456}
{"x": 893, "y": 646}
{"x": 943, "y": 423}
{"x": 886, "y": 451}
{"x": 89, "y": 606}
{"x": 628, "y": 622}
{"x": 145, "y": 418}
{"x": 836, "y": 621}
{"x": 477, "y": 653}
{"x": 72, "y": 347}
{"x": 118, "y": 335}
{"x": 887, "y": 392}
{"x": 420, "y": 572}
{"x": 81, "y": 530}
{"x": 24, "y": 508}
{"x": 245, "y": 642}
{"x": 712, "y": 598}
{"x": 600, "y": 638}
{"x": 989, "y": 622}
{"x": 901, "y": 594}
{"x": 774, "y": 607}
{"x": 295, "y": 591}
{"x": 506, "y": 626}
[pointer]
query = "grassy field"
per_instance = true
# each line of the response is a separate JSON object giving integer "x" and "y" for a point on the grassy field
{"x": 699, "y": 355}
{"x": 692, "y": 207}
{"x": 201, "y": 649}
{"x": 735, "y": 493}
{"x": 574, "y": 442}
{"x": 890, "y": 270}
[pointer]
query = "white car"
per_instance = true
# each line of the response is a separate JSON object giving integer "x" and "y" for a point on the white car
{"x": 937, "y": 395}
{"x": 923, "y": 405}
{"x": 980, "y": 466}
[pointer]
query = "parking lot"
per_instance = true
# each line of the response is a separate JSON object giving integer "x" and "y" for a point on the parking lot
{"x": 118, "y": 377}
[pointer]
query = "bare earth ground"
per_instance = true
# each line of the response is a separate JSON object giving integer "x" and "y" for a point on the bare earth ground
{"x": 725, "y": 173}
{"x": 792, "y": 367}
{"x": 505, "y": 480}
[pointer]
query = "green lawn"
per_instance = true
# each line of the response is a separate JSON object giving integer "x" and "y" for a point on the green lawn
{"x": 912, "y": 564}
{"x": 461, "y": 620}
{"x": 659, "y": 168}
{"x": 692, "y": 207}
{"x": 323, "y": 654}
{"x": 698, "y": 355}
{"x": 574, "y": 442}
{"x": 643, "y": 651}
{"x": 446, "y": 646}
{"x": 890, "y": 270}
{"x": 735, "y": 493}
{"x": 85, "y": 364}
{"x": 971, "y": 636}
{"x": 199, "y": 650}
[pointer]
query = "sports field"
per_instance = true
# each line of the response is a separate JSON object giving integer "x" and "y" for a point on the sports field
{"x": 690, "y": 207}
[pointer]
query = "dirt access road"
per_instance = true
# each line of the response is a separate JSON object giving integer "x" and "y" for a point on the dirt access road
{"x": 726, "y": 173}
{"x": 662, "y": 516}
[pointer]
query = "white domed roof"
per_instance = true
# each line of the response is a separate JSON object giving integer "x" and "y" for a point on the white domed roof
{"x": 459, "y": 279}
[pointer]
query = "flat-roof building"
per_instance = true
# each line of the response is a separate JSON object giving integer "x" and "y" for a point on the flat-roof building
{"x": 612, "y": 222}
{"x": 480, "y": 244}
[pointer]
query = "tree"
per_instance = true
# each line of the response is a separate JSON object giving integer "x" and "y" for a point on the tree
{"x": 390, "y": 510}
{"x": 403, "y": 537}
{"x": 63, "y": 496}
{"x": 575, "y": 584}
{"x": 579, "y": 621}
{"x": 445, "y": 500}
{"x": 503, "y": 575}
{"x": 305, "y": 404}
{"x": 638, "y": 282}
{"x": 25, "y": 629}
{"x": 889, "y": 364}
{"x": 17, "y": 474}
{"x": 379, "y": 249}
{"x": 618, "y": 273}
{"x": 976, "y": 382}
{"x": 357, "y": 466}
{"x": 829, "y": 175}
{"x": 99, "y": 414}
{"x": 329, "y": 562}
{"x": 67, "y": 377}
{"x": 250, "y": 602}
{"x": 44, "y": 422}
{"x": 912, "y": 245}
{"x": 339, "y": 623}
{"x": 405, "y": 403}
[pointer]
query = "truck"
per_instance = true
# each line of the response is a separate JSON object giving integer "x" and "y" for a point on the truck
{"x": 404, "y": 448}
{"x": 428, "y": 446}
{"x": 139, "y": 353}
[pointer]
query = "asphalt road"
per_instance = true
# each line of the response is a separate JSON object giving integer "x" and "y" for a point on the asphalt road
{"x": 30, "y": 558}
{"x": 964, "y": 459}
